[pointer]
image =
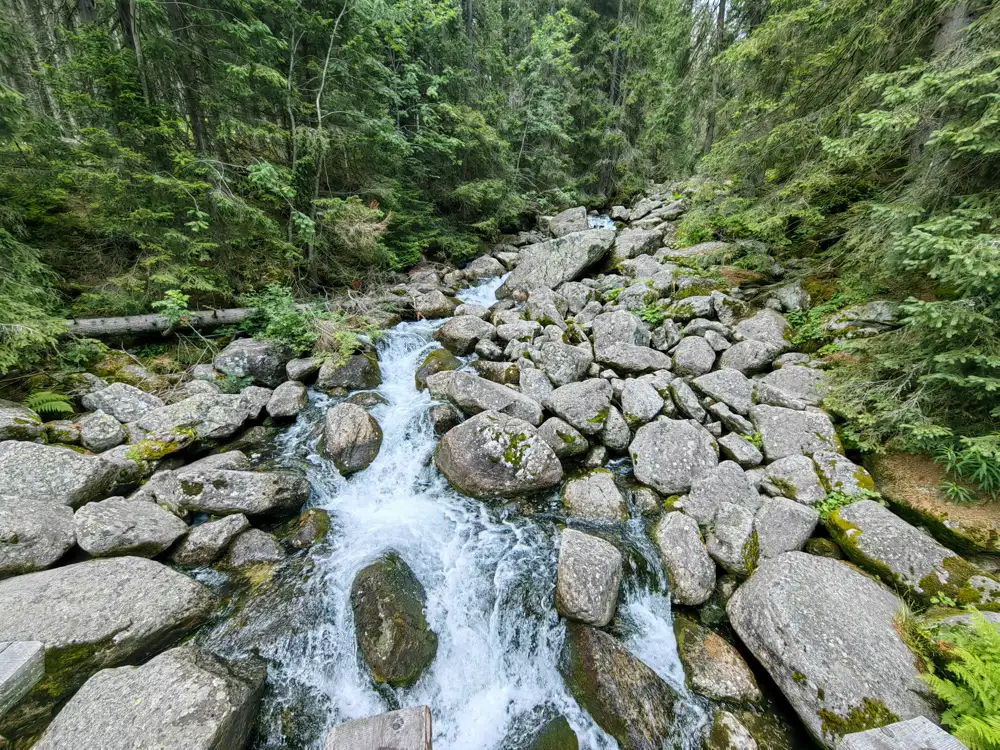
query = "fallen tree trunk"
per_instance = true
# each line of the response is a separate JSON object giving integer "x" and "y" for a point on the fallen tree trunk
{"x": 134, "y": 325}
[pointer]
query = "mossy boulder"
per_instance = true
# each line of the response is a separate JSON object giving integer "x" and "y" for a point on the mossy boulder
{"x": 912, "y": 485}
{"x": 357, "y": 372}
{"x": 728, "y": 733}
{"x": 826, "y": 633}
{"x": 627, "y": 699}
{"x": 18, "y": 422}
{"x": 494, "y": 455}
{"x": 310, "y": 528}
{"x": 392, "y": 633}
{"x": 438, "y": 360}
{"x": 540, "y": 729}
{"x": 903, "y": 556}
{"x": 557, "y": 734}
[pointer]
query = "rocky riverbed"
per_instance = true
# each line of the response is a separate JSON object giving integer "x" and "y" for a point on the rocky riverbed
{"x": 573, "y": 501}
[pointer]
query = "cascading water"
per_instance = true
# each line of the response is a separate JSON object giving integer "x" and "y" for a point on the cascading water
{"x": 489, "y": 574}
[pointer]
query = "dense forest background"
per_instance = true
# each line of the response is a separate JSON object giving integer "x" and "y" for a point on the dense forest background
{"x": 215, "y": 147}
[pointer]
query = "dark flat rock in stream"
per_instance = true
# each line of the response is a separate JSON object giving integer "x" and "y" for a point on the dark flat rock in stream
{"x": 627, "y": 699}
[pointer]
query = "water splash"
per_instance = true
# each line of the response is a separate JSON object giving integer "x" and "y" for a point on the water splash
{"x": 601, "y": 222}
{"x": 489, "y": 578}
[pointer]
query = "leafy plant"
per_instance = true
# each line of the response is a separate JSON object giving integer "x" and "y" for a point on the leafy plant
{"x": 975, "y": 460}
{"x": 277, "y": 318}
{"x": 652, "y": 313}
{"x": 957, "y": 493}
{"x": 834, "y": 501}
{"x": 612, "y": 294}
{"x": 174, "y": 307}
{"x": 47, "y": 403}
{"x": 233, "y": 383}
{"x": 970, "y": 687}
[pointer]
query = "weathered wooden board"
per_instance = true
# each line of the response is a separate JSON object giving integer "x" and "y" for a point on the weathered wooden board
{"x": 22, "y": 664}
{"x": 406, "y": 729}
{"x": 912, "y": 734}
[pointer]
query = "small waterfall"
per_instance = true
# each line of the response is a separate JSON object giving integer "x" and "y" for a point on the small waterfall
{"x": 489, "y": 575}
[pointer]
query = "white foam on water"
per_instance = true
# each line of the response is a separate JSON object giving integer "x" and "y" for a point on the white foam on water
{"x": 489, "y": 581}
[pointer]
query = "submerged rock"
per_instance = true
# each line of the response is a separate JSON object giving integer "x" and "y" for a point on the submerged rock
{"x": 846, "y": 669}
{"x": 393, "y": 636}
{"x": 627, "y": 699}
{"x": 184, "y": 699}
{"x": 493, "y": 454}
{"x": 94, "y": 615}
{"x": 351, "y": 438}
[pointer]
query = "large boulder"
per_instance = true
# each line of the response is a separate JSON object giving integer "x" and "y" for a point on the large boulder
{"x": 206, "y": 416}
{"x": 690, "y": 571}
{"x": 827, "y": 636}
{"x": 731, "y": 540}
{"x": 392, "y": 633}
{"x": 287, "y": 400}
{"x": 788, "y": 432}
{"x": 351, "y": 438}
{"x": 263, "y": 361}
{"x": 460, "y": 335}
{"x": 184, "y": 699}
{"x": 357, "y": 372}
{"x": 18, "y": 422}
{"x": 881, "y": 542}
{"x": 561, "y": 362}
{"x": 549, "y": 264}
{"x": 726, "y": 483}
{"x": 670, "y": 454}
{"x": 50, "y": 474}
{"x": 124, "y": 402}
{"x": 433, "y": 304}
{"x": 251, "y": 548}
{"x": 569, "y": 221}
{"x": 565, "y": 440}
{"x": 473, "y": 394}
{"x": 94, "y": 615}
{"x": 633, "y": 242}
{"x": 584, "y": 405}
{"x": 207, "y": 542}
{"x": 693, "y": 356}
{"x": 439, "y": 360}
{"x": 768, "y": 326}
{"x": 731, "y": 387}
{"x": 493, "y": 454}
{"x": 783, "y": 525}
{"x": 795, "y": 477}
{"x": 805, "y": 384}
{"x": 627, "y": 699}
{"x": 34, "y": 534}
{"x": 405, "y": 729}
{"x": 117, "y": 526}
{"x": 587, "y": 579}
{"x": 224, "y": 492}
{"x": 713, "y": 667}
{"x": 594, "y": 497}
{"x": 641, "y": 402}
{"x": 100, "y": 432}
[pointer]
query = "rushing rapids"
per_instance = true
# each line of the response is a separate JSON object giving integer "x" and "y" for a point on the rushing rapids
{"x": 489, "y": 573}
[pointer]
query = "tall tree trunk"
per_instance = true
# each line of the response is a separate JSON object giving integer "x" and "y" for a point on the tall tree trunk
{"x": 188, "y": 74}
{"x": 87, "y": 11}
{"x": 720, "y": 28}
{"x": 616, "y": 55}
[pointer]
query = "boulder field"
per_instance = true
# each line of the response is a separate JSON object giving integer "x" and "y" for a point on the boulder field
{"x": 617, "y": 380}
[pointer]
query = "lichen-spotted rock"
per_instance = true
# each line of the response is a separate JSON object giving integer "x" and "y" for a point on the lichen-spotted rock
{"x": 670, "y": 454}
{"x": 827, "y": 636}
{"x": 493, "y": 454}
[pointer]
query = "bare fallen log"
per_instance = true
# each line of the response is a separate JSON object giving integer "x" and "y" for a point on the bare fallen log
{"x": 135, "y": 325}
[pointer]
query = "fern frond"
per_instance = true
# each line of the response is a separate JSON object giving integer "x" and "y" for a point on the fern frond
{"x": 47, "y": 402}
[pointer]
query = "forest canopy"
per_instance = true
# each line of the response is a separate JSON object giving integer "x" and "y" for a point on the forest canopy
{"x": 216, "y": 148}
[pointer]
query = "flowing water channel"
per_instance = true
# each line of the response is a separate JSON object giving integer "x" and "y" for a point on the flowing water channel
{"x": 489, "y": 572}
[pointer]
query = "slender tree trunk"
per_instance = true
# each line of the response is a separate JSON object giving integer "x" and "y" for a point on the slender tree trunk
{"x": 720, "y": 27}
{"x": 87, "y": 11}
{"x": 616, "y": 55}
{"x": 293, "y": 150}
{"x": 188, "y": 76}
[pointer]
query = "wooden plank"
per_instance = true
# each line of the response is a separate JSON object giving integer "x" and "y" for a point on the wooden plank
{"x": 406, "y": 729}
{"x": 913, "y": 734}
{"x": 22, "y": 664}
